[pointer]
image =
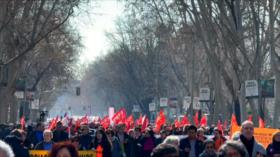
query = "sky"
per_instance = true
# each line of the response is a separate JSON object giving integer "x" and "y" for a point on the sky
{"x": 92, "y": 26}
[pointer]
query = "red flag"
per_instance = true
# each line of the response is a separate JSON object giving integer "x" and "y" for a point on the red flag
{"x": 225, "y": 124}
{"x": 22, "y": 122}
{"x": 233, "y": 120}
{"x": 185, "y": 121}
{"x": 145, "y": 123}
{"x": 195, "y": 118}
{"x": 53, "y": 123}
{"x": 261, "y": 123}
{"x": 160, "y": 120}
{"x": 220, "y": 126}
{"x": 105, "y": 122}
{"x": 139, "y": 120}
{"x": 120, "y": 116}
{"x": 176, "y": 123}
{"x": 250, "y": 118}
{"x": 129, "y": 122}
{"x": 84, "y": 120}
{"x": 203, "y": 121}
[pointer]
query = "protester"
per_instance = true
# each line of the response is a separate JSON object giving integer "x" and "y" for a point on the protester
{"x": 15, "y": 140}
{"x": 218, "y": 138}
{"x": 116, "y": 146}
{"x": 102, "y": 140}
{"x": 165, "y": 150}
{"x": 200, "y": 135}
{"x": 47, "y": 143}
{"x": 252, "y": 146}
{"x": 85, "y": 139}
{"x": 233, "y": 149}
{"x": 75, "y": 141}
{"x": 37, "y": 135}
{"x": 64, "y": 149}
{"x": 174, "y": 140}
{"x": 5, "y": 150}
{"x": 273, "y": 149}
{"x": 191, "y": 146}
{"x": 209, "y": 149}
{"x": 148, "y": 143}
{"x": 125, "y": 140}
{"x": 59, "y": 134}
{"x": 162, "y": 137}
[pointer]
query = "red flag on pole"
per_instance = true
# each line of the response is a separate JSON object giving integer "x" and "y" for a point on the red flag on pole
{"x": 105, "y": 122}
{"x": 261, "y": 123}
{"x": 185, "y": 121}
{"x": 220, "y": 126}
{"x": 139, "y": 120}
{"x": 84, "y": 120}
{"x": 120, "y": 116}
{"x": 203, "y": 121}
{"x": 176, "y": 123}
{"x": 195, "y": 118}
{"x": 129, "y": 122}
{"x": 22, "y": 122}
{"x": 160, "y": 120}
{"x": 145, "y": 123}
{"x": 53, "y": 123}
{"x": 250, "y": 118}
{"x": 233, "y": 120}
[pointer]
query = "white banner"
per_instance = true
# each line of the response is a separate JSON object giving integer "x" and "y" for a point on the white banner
{"x": 196, "y": 103}
{"x": 251, "y": 88}
{"x": 136, "y": 108}
{"x": 204, "y": 94}
{"x": 19, "y": 94}
{"x": 152, "y": 107}
{"x": 35, "y": 104}
{"x": 163, "y": 102}
{"x": 111, "y": 112}
{"x": 187, "y": 102}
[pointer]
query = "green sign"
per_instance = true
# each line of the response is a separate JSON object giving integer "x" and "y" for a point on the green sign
{"x": 267, "y": 88}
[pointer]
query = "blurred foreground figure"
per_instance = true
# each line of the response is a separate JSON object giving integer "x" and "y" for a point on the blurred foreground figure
{"x": 5, "y": 150}
{"x": 165, "y": 150}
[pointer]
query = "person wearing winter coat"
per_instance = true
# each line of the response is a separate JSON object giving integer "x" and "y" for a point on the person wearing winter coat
{"x": 273, "y": 149}
{"x": 47, "y": 143}
{"x": 209, "y": 149}
{"x": 116, "y": 145}
{"x": 15, "y": 140}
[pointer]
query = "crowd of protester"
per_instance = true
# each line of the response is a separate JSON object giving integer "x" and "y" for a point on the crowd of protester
{"x": 187, "y": 141}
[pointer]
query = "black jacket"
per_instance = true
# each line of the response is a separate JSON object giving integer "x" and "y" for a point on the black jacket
{"x": 40, "y": 145}
{"x": 185, "y": 143}
{"x": 16, "y": 144}
{"x": 59, "y": 136}
{"x": 85, "y": 142}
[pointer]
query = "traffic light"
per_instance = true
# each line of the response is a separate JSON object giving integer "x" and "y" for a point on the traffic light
{"x": 78, "y": 91}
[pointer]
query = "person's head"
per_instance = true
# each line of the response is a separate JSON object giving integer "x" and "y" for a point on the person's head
{"x": 200, "y": 132}
{"x": 75, "y": 141}
{"x": 247, "y": 129}
{"x": 137, "y": 132}
{"x": 64, "y": 149}
{"x": 233, "y": 148}
{"x": 149, "y": 133}
{"x": 40, "y": 127}
{"x": 110, "y": 134}
{"x": 185, "y": 129}
{"x": 48, "y": 135}
{"x": 217, "y": 133}
{"x": 59, "y": 126}
{"x": 20, "y": 134}
{"x": 84, "y": 129}
{"x": 165, "y": 150}
{"x": 174, "y": 140}
{"x": 5, "y": 150}
{"x": 276, "y": 137}
{"x": 192, "y": 132}
{"x": 131, "y": 133}
{"x": 101, "y": 135}
{"x": 163, "y": 134}
{"x": 209, "y": 146}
